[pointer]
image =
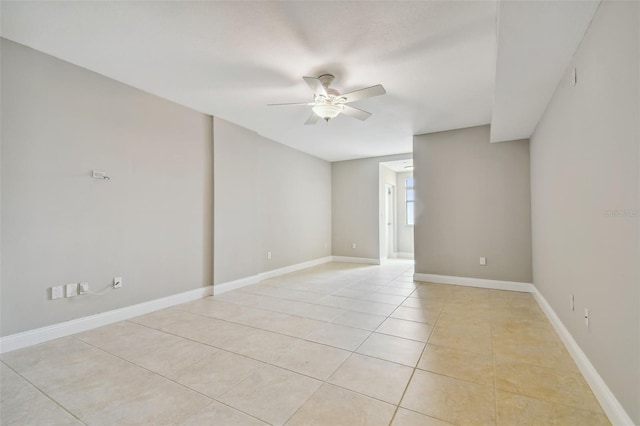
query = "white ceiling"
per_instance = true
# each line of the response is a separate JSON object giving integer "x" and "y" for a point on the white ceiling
{"x": 399, "y": 166}
{"x": 436, "y": 59}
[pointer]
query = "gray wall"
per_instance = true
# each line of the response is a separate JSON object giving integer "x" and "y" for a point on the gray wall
{"x": 150, "y": 224}
{"x": 268, "y": 197}
{"x": 405, "y": 232}
{"x": 584, "y": 163}
{"x": 472, "y": 200}
{"x": 356, "y": 198}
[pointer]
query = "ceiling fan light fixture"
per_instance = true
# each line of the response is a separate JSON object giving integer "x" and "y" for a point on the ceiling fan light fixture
{"x": 327, "y": 111}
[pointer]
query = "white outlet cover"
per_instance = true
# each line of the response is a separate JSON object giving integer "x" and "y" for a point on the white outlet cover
{"x": 483, "y": 261}
{"x": 71, "y": 290}
{"x": 83, "y": 288}
{"x": 586, "y": 317}
{"x": 57, "y": 292}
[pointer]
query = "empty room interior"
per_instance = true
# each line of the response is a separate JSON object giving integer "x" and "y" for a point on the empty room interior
{"x": 320, "y": 212}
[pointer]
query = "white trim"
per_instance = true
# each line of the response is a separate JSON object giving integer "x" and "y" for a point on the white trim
{"x": 294, "y": 268}
{"x": 611, "y": 406}
{"x": 475, "y": 282}
{"x": 402, "y": 255}
{"x": 44, "y": 334}
{"x": 356, "y": 260}
{"x": 232, "y": 285}
{"x": 254, "y": 279}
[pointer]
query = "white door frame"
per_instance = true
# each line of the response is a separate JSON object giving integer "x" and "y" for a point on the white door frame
{"x": 389, "y": 220}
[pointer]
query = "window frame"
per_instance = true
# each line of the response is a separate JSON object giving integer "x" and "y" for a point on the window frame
{"x": 409, "y": 203}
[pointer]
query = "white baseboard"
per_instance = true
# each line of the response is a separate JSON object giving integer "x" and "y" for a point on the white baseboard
{"x": 232, "y": 285}
{"x": 44, "y": 334}
{"x": 293, "y": 268}
{"x": 401, "y": 255}
{"x": 365, "y": 260}
{"x": 254, "y": 279}
{"x": 475, "y": 282}
{"x": 611, "y": 406}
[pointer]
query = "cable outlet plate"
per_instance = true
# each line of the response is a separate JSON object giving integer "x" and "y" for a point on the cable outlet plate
{"x": 117, "y": 282}
{"x": 83, "y": 288}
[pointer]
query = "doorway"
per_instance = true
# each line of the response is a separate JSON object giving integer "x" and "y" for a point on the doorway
{"x": 390, "y": 220}
{"x": 396, "y": 209}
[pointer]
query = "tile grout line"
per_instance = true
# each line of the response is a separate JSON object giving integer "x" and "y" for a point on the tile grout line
{"x": 404, "y": 392}
{"x": 46, "y": 395}
{"x": 493, "y": 358}
{"x": 173, "y": 381}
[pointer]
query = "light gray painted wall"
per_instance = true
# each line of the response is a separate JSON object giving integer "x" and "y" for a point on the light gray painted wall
{"x": 268, "y": 197}
{"x": 151, "y": 223}
{"x": 405, "y": 232}
{"x": 584, "y": 163}
{"x": 472, "y": 200}
{"x": 356, "y": 198}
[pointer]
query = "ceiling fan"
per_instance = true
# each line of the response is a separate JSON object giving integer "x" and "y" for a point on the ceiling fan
{"x": 328, "y": 103}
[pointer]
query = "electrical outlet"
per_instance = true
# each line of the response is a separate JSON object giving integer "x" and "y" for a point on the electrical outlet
{"x": 586, "y": 317}
{"x": 483, "y": 261}
{"x": 268, "y": 255}
{"x": 353, "y": 245}
{"x": 117, "y": 282}
{"x": 57, "y": 292}
{"x": 71, "y": 290}
{"x": 83, "y": 288}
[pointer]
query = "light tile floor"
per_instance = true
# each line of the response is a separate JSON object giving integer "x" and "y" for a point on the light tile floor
{"x": 338, "y": 344}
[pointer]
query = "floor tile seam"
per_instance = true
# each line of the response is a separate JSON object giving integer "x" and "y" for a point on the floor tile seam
{"x": 359, "y": 299}
{"x": 42, "y": 392}
{"x": 546, "y": 401}
{"x": 495, "y": 376}
{"x": 235, "y": 353}
{"x": 219, "y": 397}
{"x": 413, "y": 372}
{"x": 394, "y": 404}
{"x": 402, "y": 337}
{"x": 390, "y": 316}
{"x": 185, "y": 386}
{"x": 512, "y": 360}
{"x": 281, "y": 288}
{"x": 426, "y": 415}
{"x": 453, "y": 377}
{"x": 259, "y": 308}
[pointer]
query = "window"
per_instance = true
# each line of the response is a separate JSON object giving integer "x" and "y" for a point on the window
{"x": 409, "y": 199}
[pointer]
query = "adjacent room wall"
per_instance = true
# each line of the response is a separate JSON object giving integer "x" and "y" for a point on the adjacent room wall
{"x": 356, "y": 198}
{"x": 404, "y": 231}
{"x": 585, "y": 200}
{"x": 472, "y": 201}
{"x": 268, "y": 197}
{"x": 150, "y": 224}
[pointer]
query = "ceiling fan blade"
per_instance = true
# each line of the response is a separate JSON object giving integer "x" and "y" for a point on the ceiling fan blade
{"x": 313, "y": 119}
{"x": 367, "y": 92}
{"x": 292, "y": 103}
{"x": 316, "y": 85}
{"x": 356, "y": 113}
